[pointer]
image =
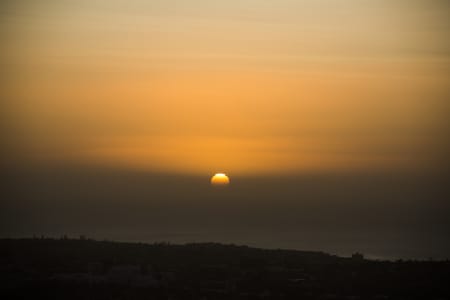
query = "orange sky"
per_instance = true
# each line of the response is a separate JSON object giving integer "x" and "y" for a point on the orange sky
{"x": 243, "y": 87}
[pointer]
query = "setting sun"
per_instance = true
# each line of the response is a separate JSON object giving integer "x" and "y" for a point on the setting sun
{"x": 331, "y": 117}
{"x": 220, "y": 179}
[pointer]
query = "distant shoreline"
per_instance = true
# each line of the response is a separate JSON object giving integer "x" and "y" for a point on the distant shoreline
{"x": 367, "y": 257}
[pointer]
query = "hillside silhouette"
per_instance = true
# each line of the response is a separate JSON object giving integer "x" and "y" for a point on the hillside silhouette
{"x": 87, "y": 269}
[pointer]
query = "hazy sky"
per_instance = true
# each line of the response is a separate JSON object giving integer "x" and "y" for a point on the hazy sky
{"x": 244, "y": 87}
{"x": 330, "y": 117}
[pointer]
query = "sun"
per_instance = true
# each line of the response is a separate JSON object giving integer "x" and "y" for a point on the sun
{"x": 220, "y": 179}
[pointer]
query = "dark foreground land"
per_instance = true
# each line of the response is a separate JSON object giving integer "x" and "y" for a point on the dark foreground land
{"x": 87, "y": 269}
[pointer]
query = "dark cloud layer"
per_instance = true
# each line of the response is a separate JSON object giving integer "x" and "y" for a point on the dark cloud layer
{"x": 385, "y": 214}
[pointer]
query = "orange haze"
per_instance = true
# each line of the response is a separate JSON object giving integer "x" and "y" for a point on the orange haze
{"x": 242, "y": 86}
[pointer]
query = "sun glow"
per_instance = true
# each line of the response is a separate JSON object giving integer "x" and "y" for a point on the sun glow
{"x": 220, "y": 179}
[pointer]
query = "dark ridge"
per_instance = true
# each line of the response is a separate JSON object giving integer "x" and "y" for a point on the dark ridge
{"x": 88, "y": 269}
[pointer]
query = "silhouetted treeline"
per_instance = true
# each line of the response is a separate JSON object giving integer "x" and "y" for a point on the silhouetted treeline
{"x": 87, "y": 269}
